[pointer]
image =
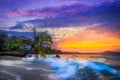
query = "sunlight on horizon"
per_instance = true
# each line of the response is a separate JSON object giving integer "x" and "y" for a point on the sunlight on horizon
{"x": 90, "y": 41}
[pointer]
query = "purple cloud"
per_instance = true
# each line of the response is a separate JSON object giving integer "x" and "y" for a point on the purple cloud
{"x": 46, "y": 12}
{"x": 64, "y": 15}
{"x": 105, "y": 15}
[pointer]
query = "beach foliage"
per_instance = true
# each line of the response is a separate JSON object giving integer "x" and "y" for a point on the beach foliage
{"x": 40, "y": 44}
{"x": 3, "y": 39}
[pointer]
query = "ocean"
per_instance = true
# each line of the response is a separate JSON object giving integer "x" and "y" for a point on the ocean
{"x": 67, "y": 67}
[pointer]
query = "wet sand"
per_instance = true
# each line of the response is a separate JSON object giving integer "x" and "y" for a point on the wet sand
{"x": 13, "y": 68}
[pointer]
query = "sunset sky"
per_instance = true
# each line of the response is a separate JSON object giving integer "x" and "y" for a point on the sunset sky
{"x": 75, "y": 25}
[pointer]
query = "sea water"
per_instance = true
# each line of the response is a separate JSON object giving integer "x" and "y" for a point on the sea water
{"x": 74, "y": 68}
{"x": 81, "y": 70}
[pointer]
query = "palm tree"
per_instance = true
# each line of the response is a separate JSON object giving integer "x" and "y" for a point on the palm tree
{"x": 41, "y": 43}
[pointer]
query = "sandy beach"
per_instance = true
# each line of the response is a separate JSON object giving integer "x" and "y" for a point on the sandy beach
{"x": 69, "y": 67}
{"x": 13, "y": 68}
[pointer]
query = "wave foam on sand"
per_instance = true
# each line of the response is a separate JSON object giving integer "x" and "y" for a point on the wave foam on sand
{"x": 66, "y": 69}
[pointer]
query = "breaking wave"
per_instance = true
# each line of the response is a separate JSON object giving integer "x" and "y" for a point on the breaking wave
{"x": 66, "y": 69}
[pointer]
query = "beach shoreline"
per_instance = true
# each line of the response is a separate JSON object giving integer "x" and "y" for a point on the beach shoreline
{"x": 20, "y": 68}
{"x": 13, "y": 68}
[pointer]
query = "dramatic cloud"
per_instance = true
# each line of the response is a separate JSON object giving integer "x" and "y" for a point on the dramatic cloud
{"x": 83, "y": 22}
{"x": 75, "y": 15}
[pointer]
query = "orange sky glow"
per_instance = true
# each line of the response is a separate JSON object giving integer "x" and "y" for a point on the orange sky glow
{"x": 90, "y": 41}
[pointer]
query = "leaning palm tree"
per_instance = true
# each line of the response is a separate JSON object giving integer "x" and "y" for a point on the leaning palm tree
{"x": 41, "y": 43}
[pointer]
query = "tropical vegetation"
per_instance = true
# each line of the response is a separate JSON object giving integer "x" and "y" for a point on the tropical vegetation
{"x": 39, "y": 45}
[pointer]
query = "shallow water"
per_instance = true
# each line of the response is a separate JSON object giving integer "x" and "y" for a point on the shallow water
{"x": 68, "y": 68}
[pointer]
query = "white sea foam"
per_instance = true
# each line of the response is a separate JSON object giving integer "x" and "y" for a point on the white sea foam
{"x": 67, "y": 68}
{"x": 10, "y": 62}
{"x": 20, "y": 64}
{"x": 64, "y": 68}
{"x": 29, "y": 58}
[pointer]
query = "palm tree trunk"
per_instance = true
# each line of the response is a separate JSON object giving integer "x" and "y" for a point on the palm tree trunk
{"x": 36, "y": 55}
{"x": 34, "y": 42}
